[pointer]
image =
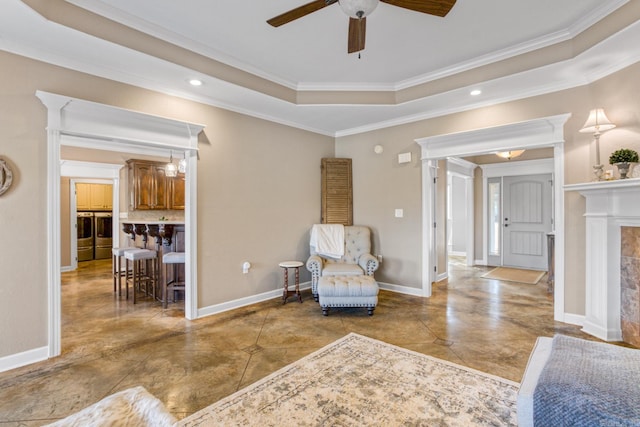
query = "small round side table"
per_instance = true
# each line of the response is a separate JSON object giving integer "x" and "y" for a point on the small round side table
{"x": 286, "y": 292}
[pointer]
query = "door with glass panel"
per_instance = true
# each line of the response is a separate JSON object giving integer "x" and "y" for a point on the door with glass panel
{"x": 520, "y": 216}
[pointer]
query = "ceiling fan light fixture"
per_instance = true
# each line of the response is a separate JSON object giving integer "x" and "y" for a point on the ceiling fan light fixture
{"x": 358, "y": 8}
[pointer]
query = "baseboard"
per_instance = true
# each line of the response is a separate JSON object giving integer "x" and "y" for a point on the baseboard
{"x": 65, "y": 268}
{"x": 242, "y": 302}
{"x": 457, "y": 253}
{"x": 574, "y": 319}
{"x": 400, "y": 289}
{"x": 22, "y": 359}
{"x": 480, "y": 262}
{"x": 442, "y": 276}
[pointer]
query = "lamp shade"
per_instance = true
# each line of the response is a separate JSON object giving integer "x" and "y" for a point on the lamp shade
{"x": 510, "y": 154}
{"x": 597, "y": 122}
{"x": 358, "y": 8}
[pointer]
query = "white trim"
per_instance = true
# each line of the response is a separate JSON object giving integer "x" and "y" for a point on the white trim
{"x": 242, "y": 302}
{"x": 94, "y": 173}
{"x": 73, "y": 219}
{"x": 517, "y": 168}
{"x": 574, "y": 319}
{"x": 400, "y": 289}
{"x": 80, "y": 121}
{"x": 28, "y": 357}
{"x": 465, "y": 170}
{"x": 429, "y": 175}
{"x": 542, "y": 132}
{"x": 536, "y": 133}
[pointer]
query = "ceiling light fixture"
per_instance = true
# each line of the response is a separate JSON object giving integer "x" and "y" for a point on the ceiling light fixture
{"x": 195, "y": 82}
{"x": 182, "y": 164}
{"x": 171, "y": 169}
{"x": 596, "y": 124}
{"x": 358, "y": 9}
{"x": 475, "y": 92}
{"x": 510, "y": 154}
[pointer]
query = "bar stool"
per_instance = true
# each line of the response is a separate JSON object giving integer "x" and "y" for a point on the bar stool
{"x": 118, "y": 273}
{"x": 148, "y": 275}
{"x": 173, "y": 259}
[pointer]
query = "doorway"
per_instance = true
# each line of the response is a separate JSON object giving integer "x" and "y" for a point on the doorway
{"x": 91, "y": 125}
{"x": 536, "y": 133}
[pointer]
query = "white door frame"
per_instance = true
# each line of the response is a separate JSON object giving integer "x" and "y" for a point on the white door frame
{"x": 536, "y": 133}
{"x": 465, "y": 170}
{"x": 86, "y": 124}
{"x": 95, "y": 173}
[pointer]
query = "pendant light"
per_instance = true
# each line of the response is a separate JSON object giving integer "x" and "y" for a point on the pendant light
{"x": 171, "y": 169}
{"x": 182, "y": 164}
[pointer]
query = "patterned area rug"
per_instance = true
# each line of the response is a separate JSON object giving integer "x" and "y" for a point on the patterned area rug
{"x": 359, "y": 381}
{"x": 530, "y": 277}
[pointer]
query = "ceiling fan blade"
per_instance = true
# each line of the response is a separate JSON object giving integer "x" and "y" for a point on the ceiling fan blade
{"x": 299, "y": 12}
{"x": 432, "y": 7}
{"x": 357, "y": 31}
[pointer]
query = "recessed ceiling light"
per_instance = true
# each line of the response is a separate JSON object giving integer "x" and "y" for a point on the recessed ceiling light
{"x": 195, "y": 82}
{"x": 475, "y": 92}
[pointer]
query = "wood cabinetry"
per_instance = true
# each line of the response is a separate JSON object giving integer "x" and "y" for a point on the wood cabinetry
{"x": 176, "y": 192}
{"x": 151, "y": 189}
{"x": 94, "y": 197}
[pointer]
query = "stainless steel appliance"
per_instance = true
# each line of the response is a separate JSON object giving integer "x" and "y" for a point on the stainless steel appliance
{"x": 85, "y": 236}
{"x": 103, "y": 234}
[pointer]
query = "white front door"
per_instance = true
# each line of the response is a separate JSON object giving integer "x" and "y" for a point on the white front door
{"x": 527, "y": 220}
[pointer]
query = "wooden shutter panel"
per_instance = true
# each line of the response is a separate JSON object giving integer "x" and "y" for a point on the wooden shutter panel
{"x": 337, "y": 192}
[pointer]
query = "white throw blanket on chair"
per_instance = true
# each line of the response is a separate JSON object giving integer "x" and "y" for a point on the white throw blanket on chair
{"x": 328, "y": 240}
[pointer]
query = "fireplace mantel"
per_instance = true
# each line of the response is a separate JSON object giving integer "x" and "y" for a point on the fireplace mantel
{"x": 610, "y": 205}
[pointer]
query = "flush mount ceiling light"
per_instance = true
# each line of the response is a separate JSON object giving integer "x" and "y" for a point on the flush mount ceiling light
{"x": 510, "y": 154}
{"x": 358, "y": 10}
{"x": 475, "y": 92}
{"x": 195, "y": 82}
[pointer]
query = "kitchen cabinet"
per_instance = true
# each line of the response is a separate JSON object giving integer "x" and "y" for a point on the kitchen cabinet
{"x": 176, "y": 192}
{"x": 94, "y": 197}
{"x": 151, "y": 189}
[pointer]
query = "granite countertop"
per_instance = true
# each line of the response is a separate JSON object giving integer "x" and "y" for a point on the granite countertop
{"x": 149, "y": 221}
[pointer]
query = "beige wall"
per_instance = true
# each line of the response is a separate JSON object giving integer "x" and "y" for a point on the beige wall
{"x": 259, "y": 185}
{"x": 258, "y": 193}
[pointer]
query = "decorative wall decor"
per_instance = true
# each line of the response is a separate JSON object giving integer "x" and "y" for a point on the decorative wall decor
{"x": 6, "y": 177}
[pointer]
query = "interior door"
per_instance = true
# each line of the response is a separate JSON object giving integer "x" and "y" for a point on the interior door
{"x": 527, "y": 220}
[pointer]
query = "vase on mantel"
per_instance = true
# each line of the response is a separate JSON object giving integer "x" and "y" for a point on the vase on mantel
{"x": 623, "y": 169}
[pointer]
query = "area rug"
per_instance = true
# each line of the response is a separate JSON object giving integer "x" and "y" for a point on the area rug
{"x": 358, "y": 381}
{"x": 530, "y": 277}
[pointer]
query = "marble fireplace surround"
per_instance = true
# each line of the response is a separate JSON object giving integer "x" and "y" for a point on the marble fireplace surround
{"x": 612, "y": 264}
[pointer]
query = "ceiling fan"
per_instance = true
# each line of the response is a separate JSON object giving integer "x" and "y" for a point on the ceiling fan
{"x": 357, "y": 10}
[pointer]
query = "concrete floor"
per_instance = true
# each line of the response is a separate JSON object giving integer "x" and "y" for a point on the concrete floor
{"x": 108, "y": 344}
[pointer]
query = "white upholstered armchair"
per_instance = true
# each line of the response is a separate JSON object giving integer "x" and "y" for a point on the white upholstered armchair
{"x": 357, "y": 258}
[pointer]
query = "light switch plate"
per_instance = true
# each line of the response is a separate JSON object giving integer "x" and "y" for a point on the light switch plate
{"x": 124, "y": 215}
{"x": 399, "y": 213}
